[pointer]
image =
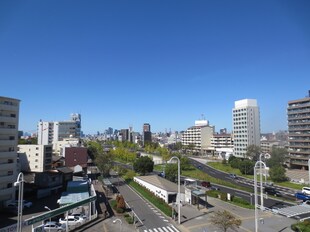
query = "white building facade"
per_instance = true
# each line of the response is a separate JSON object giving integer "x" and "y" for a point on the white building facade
{"x": 199, "y": 135}
{"x": 9, "y": 167}
{"x": 246, "y": 126}
{"x": 35, "y": 158}
{"x": 53, "y": 132}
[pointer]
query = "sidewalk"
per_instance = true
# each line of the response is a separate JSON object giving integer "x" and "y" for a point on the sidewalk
{"x": 108, "y": 225}
{"x": 197, "y": 221}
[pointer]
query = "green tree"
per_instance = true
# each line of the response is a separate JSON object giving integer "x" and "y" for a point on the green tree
{"x": 253, "y": 152}
{"x": 143, "y": 165}
{"x": 105, "y": 163}
{"x": 185, "y": 163}
{"x": 94, "y": 149}
{"x": 171, "y": 172}
{"x": 246, "y": 166}
{"x": 277, "y": 173}
{"x": 224, "y": 220}
{"x": 277, "y": 157}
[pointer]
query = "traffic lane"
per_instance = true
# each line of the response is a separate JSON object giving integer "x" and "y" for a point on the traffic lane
{"x": 240, "y": 181}
{"x": 149, "y": 217}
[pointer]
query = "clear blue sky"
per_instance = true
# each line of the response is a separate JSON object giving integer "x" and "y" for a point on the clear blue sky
{"x": 122, "y": 63}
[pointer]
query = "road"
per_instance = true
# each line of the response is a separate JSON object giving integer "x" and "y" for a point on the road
{"x": 149, "y": 218}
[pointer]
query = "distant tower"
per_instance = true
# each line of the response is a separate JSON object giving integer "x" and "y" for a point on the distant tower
{"x": 147, "y": 134}
{"x": 246, "y": 126}
{"x": 146, "y": 127}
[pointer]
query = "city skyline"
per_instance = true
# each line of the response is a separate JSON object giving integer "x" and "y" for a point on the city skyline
{"x": 122, "y": 64}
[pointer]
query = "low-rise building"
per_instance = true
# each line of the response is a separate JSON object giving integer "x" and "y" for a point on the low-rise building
{"x": 161, "y": 187}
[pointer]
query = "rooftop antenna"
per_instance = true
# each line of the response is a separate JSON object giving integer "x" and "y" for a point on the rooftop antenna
{"x": 202, "y": 117}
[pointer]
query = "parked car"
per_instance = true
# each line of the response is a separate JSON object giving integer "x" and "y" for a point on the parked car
{"x": 72, "y": 221}
{"x": 80, "y": 215}
{"x": 272, "y": 191}
{"x": 54, "y": 226}
{"x": 26, "y": 204}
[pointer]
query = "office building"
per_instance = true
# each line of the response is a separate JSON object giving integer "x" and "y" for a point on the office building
{"x": 298, "y": 116}
{"x": 246, "y": 126}
{"x": 147, "y": 134}
{"x": 198, "y": 136}
{"x": 9, "y": 166}
{"x": 52, "y": 132}
{"x": 146, "y": 127}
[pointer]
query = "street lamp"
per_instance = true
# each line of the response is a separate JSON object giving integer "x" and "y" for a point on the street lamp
{"x": 20, "y": 183}
{"x": 266, "y": 156}
{"x": 49, "y": 228}
{"x": 255, "y": 192}
{"x": 120, "y": 225}
{"x": 179, "y": 186}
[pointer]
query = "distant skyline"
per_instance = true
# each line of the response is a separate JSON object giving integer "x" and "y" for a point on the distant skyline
{"x": 126, "y": 63}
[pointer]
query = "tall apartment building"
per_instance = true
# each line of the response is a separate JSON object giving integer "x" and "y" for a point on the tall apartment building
{"x": 9, "y": 116}
{"x": 35, "y": 158}
{"x": 246, "y": 126}
{"x": 199, "y": 135}
{"x": 52, "y": 132}
{"x": 298, "y": 116}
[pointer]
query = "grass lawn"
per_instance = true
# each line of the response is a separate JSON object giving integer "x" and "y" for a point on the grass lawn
{"x": 227, "y": 168}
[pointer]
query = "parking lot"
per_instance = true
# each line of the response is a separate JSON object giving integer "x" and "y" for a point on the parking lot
{"x": 38, "y": 207}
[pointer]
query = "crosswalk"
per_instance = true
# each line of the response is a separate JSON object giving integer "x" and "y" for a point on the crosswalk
{"x": 170, "y": 228}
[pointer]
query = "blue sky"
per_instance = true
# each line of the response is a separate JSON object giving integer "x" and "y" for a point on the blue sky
{"x": 124, "y": 63}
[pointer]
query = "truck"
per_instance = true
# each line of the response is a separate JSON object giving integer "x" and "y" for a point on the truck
{"x": 302, "y": 196}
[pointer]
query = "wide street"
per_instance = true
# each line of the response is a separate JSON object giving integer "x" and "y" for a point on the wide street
{"x": 148, "y": 217}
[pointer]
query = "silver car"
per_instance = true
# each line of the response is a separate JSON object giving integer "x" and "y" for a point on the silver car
{"x": 54, "y": 226}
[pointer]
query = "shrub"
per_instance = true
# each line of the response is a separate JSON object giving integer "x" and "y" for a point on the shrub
{"x": 213, "y": 193}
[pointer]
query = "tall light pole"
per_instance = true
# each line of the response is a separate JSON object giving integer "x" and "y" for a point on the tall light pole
{"x": 49, "y": 228}
{"x": 266, "y": 156}
{"x": 20, "y": 183}
{"x": 120, "y": 225}
{"x": 179, "y": 188}
{"x": 255, "y": 192}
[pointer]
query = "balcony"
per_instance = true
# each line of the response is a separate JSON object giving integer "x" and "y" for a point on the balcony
{"x": 7, "y": 179}
{"x": 8, "y": 154}
{"x": 7, "y": 142}
{"x": 7, "y": 166}
{"x": 5, "y": 118}
{"x": 8, "y": 107}
{"x": 7, "y": 131}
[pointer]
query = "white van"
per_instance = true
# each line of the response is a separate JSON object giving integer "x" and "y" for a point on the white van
{"x": 306, "y": 190}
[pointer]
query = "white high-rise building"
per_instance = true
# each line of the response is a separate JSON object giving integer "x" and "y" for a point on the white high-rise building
{"x": 52, "y": 132}
{"x": 9, "y": 116}
{"x": 246, "y": 126}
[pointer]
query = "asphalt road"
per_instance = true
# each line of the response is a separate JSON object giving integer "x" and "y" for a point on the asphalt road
{"x": 148, "y": 217}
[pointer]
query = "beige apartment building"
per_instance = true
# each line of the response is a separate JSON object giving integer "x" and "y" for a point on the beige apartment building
{"x": 199, "y": 135}
{"x": 35, "y": 158}
{"x": 9, "y": 117}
